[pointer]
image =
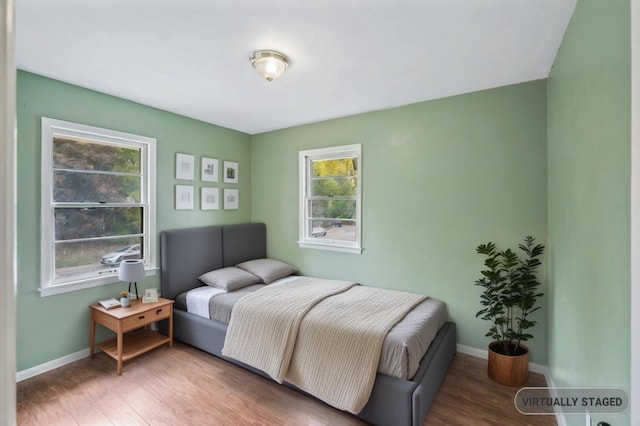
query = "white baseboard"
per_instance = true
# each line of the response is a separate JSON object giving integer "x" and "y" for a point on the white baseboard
{"x": 470, "y": 350}
{"x": 51, "y": 365}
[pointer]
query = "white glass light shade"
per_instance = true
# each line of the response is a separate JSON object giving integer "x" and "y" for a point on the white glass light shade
{"x": 269, "y": 63}
{"x": 131, "y": 270}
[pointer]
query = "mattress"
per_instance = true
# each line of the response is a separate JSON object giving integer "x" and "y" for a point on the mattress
{"x": 403, "y": 347}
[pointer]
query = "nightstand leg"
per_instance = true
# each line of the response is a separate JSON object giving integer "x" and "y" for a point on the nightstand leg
{"x": 120, "y": 345}
{"x": 92, "y": 337}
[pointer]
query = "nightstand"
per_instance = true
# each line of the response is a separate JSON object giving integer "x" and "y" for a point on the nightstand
{"x": 136, "y": 317}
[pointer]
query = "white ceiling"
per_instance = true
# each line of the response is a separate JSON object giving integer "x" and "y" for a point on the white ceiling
{"x": 347, "y": 56}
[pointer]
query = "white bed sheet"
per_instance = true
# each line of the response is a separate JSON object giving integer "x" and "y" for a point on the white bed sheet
{"x": 198, "y": 300}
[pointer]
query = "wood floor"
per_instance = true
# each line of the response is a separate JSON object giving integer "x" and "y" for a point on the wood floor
{"x": 185, "y": 386}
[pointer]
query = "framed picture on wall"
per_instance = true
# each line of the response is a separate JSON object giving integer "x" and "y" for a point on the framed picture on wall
{"x": 230, "y": 172}
{"x": 209, "y": 170}
{"x": 185, "y": 166}
{"x": 230, "y": 199}
{"x": 184, "y": 197}
{"x": 209, "y": 199}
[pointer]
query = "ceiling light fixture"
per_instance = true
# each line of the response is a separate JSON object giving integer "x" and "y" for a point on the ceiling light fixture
{"x": 269, "y": 63}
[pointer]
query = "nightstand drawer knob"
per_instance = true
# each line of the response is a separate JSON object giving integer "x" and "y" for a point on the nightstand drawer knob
{"x": 158, "y": 311}
{"x": 141, "y": 317}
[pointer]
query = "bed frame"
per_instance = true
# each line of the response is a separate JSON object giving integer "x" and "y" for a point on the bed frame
{"x": 188, "y": 253}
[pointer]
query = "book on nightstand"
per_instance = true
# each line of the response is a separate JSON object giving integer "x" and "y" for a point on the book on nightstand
{"x": 109, "y": 303}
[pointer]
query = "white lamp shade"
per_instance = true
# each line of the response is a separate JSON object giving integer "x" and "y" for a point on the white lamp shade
{"x": 132, "y": 270}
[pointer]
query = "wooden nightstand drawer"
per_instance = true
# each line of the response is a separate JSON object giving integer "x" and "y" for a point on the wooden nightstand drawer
{"x": 144, "y": 318}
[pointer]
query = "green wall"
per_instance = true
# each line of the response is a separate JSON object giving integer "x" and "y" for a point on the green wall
{"x": 439, "y": 178}
{"x": 52, "y": 327}
{"x": 589, "y": 200}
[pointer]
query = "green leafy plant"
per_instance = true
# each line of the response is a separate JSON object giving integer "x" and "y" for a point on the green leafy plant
{"x": 510, "y": 292}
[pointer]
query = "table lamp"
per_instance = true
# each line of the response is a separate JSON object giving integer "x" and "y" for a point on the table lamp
{"x": 132, "y": 270}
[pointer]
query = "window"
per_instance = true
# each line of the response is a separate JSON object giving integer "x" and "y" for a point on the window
{"x": 330, "y": 182}
{"x": 98, "y": 204}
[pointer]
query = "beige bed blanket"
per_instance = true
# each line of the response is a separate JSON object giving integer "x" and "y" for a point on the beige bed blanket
{"x": 323, "y": 336}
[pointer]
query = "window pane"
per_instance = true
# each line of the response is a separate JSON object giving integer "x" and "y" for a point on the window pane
{"x": 333, "y": 209}
{"x": 337, "y": 230}
{"x": 82, "y": 154}
{"x": 74, "y": 223}
{"x": 81, "y": 187}
{"x": 334, "y": 187}
{"x": 89, "y": 256}
{"x": 334, "y": 167}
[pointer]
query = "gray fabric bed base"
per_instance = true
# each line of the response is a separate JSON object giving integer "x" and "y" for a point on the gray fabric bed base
{"x": 189, "y": 252}
{"x": 393, "y": 401}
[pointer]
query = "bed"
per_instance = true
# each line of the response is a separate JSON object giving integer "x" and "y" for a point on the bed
{"x": 188, "y": 253}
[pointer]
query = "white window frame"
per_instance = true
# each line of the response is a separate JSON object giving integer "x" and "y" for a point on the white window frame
{"x": 305, "y": 159}
{"x": 49, "y": 285}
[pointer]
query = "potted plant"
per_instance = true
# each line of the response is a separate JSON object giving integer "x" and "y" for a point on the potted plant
{"x": 510, "y": 294}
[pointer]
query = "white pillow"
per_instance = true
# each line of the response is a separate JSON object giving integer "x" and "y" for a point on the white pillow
{"x": 229, "y": 279}
{"x": 268, "y": 270}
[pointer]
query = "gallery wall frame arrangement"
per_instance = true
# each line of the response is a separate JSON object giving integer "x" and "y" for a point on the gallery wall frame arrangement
{"x": 210, "y": 171}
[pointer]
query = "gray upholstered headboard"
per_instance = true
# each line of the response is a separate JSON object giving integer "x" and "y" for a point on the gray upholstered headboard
{"x": 243, "y": 242}
{"x": 187, "y": 253}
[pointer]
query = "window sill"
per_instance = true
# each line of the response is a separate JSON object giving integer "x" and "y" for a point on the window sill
{"x": 68, "y": 287}
{"x": 330, "y": 247}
